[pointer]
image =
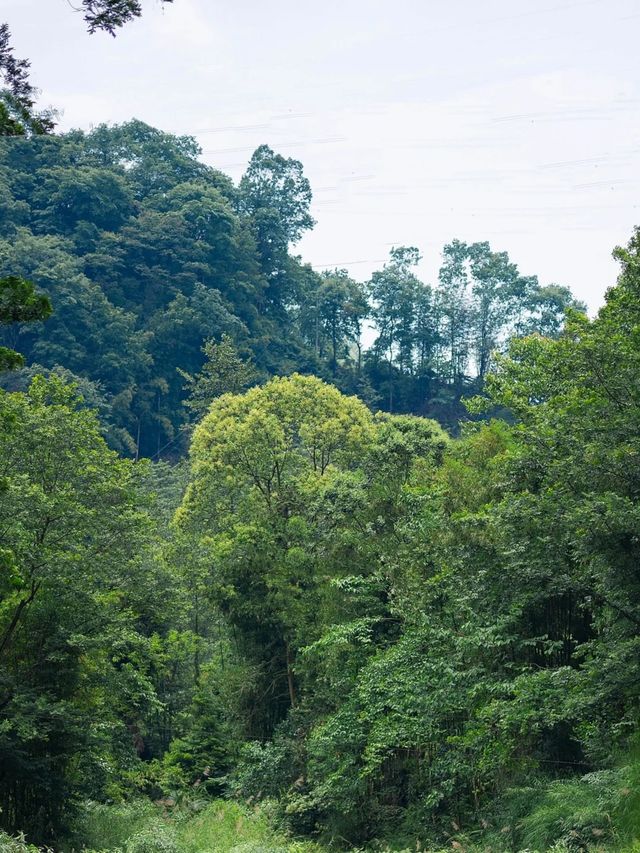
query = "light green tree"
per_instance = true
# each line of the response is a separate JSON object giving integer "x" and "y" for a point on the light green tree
{"x": 260, "y": 460}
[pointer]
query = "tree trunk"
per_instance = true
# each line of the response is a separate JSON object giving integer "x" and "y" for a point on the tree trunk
{"x": 292, "y": 689}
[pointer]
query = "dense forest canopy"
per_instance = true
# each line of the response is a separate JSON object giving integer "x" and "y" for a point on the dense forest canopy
{"x": 147, "y": 254}
{"x": 264, "y": 587}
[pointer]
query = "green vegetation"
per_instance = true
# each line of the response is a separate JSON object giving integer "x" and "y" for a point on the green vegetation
{"x": 18, "y": 116}
{"x": 212, "y": 826}
{"x": 19, "y": 303}
{"x": 150, "y": 258}
{"x": 354, "y": 617}
{"x": 139, "y": 827}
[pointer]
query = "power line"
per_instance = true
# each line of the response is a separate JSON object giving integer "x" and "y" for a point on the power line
{"x": 349, "y": 263}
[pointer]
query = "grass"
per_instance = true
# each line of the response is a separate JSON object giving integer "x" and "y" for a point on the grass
{"x": 110, "y": 827}
{"x": 142, "y": 827}
{"x": 225, "y": 826}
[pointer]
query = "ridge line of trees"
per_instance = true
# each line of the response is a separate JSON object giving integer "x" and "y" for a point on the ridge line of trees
{"x": 147, "y": 254}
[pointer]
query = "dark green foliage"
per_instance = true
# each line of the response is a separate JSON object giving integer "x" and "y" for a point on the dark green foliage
{"x": 146, "y": 254}
{"x": 18, "y": 116}
{"x": 276, "y": 196}
{"x": 19, "y": 303}
{"x": 201, "y": 758}
{"x": 132, "y": 238}
{"x": 66, "y": 498}
{"x": 224, "y": 371}
{"x": 383, "y": 631}
{"x": 330, "y": 319}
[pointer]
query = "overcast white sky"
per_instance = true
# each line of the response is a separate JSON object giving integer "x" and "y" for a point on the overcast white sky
{"x": 417, "y": 121}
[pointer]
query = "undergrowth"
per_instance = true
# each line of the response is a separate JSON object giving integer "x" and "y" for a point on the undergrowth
{"x": 595, "y": 813}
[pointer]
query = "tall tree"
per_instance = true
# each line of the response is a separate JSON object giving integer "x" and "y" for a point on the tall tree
{"x": 275, "y": 192}
{"x": 497, "y": 290}
{"x": 399, "y": 300}
{"x": 261, "y": 461}
{"x": 18, "y": 115}
{"x": 482, "y": 300}
{"x": 331, "y": 315}
{"x": 275, "y": 195}
{"x": 455, "y": 310}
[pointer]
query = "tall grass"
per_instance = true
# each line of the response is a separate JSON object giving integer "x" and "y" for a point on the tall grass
{"x": 142, "y": 827}
{"x": 229, "y": 827}
{"x": 109, "y": 827}
{"x": 598, "y": 811}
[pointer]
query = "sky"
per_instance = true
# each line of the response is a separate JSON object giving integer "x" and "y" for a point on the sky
{"x": 417, "y": 121}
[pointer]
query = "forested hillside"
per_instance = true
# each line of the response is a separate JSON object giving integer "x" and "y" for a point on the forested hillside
{"x": 147, "y": 254}
{"x": 292, "y": 562}
{"x": 374, "y": 631}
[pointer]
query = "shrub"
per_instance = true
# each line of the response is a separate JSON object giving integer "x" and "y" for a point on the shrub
{"x": 153, "y": 840}
{"x": 8, "y": 844}
{"x": 106, "y": 827}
